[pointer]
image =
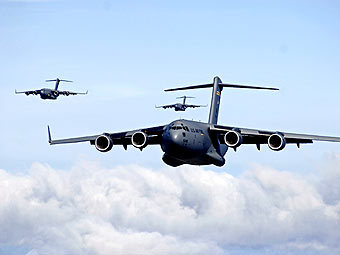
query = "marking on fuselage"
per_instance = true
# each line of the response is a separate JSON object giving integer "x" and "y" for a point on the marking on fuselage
{"x": 218, "y": 93}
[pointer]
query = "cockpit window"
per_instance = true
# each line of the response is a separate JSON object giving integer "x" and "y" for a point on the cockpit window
{"x": 179, "y": 126}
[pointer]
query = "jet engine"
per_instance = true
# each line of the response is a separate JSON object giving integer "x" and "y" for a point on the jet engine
{"x": 67, "y": 93}
{"x": 276, "y": 142}
{"x": 233, "y": 139}
{"x": 103, "y": 143}
{"x": 139, "y": 140}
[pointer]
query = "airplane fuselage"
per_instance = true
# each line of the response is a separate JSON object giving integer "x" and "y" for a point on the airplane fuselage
{"x": 49, "y": 94}
{"x": 189, "y": 142}
{"x": 52, "y": 94}
{"x": 180, "y": 107}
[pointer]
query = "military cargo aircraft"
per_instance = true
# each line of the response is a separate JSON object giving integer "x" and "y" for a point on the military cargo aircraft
{"x": 51, "y": 93}
{"x": 196, "y": 143}
{"x": 181, "y": 107}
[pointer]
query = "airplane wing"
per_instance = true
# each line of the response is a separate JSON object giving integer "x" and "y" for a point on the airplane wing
{"x": 194, "y": 106}
{"x": 254, "y": 136}
{"x": 154, "y": 135}
{"x": 67, "y": 93}
{"x": 29, "y": 92}
{"x": 166, "y": 106}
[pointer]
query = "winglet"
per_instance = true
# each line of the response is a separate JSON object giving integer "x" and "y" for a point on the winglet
{"x": 49, "y": 135}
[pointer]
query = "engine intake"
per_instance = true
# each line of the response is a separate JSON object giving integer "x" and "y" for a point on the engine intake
{"x": 103, "y": 143}
{"x": 276, "y": 142}
{"x": 139, "y": 140}
{"x": 233, "y": 139}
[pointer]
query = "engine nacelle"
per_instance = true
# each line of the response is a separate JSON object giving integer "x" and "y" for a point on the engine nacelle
{"x": 139, "y": 140}
{"x": 276, "y": 142}
{"x": 233, "y": 139}
{"x": 103, "y": 143}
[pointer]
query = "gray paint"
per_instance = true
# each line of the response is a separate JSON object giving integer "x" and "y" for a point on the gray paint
{"x": 180, "y": 106}
{"x": 215, "y": 101}
{"x": 51, "y": 94}
{"x": 196, "y": 143}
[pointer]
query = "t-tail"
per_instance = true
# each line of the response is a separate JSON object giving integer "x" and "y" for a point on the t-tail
{"x": 57, "y": 81}
{"x": 217, "y": 86}
{"x": 184, "y": 98}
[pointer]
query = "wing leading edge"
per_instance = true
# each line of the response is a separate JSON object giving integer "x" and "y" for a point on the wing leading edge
{"x": 122, "y": 138}
{"x": 166, "y": 106}
{"x": 254, "y": 136}
{"x": 67, "y": 93}
{"x": 29, "y": 92}
{"x": 195, "y": 105}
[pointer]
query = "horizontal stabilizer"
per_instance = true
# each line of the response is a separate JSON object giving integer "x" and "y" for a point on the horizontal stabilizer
{"x": 184, "y": 97}
{"x": 58, "y": 80}
{"x": 224, "y": 85}
{"x": 192, "y": 87}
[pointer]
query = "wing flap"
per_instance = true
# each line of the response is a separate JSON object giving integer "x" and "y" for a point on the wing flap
{"x": 312, "y": 137}
{"x": 166, "y": 106}
{"x": 29, "y": 92}
{"x": 121, "y": 138}
{"x": 254, "y": 136}
{"x": 67, "y": 93}
{"x": 74, "y": 140}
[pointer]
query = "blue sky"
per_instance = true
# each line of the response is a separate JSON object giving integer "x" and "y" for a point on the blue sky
{"x": 126, "y": 52}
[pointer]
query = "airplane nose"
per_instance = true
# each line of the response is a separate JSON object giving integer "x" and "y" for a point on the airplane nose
{"x": 172, "y": 141}
{"x": 176, "y": 138}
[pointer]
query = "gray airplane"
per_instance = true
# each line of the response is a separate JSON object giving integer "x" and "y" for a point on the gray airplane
{"x": 50, "y": 93}
{"x": 181, "y": 107}
{"x": 197, "y": 143}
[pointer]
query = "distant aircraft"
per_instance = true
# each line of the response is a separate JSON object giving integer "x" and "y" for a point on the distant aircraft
{"x": 179, "y": 106}
{"x": 197, "y": 143}
{"x": 51, "y": 93}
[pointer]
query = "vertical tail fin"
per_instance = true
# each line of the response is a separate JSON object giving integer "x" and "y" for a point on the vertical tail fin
{"x": 215, "y": 98}
{"x": 184, "y": 98}
{"x": 57, "y": 81}
{"x": 49, "y": 135}
{"x": 57, "y": 84}
{"x": 215, "y": 101}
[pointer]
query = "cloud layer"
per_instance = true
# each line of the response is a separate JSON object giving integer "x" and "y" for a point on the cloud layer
{"x": 187, "y": 210}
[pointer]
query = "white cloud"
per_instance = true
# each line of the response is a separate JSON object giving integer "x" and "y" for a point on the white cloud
{"x": 330, "y": 179}
{"x": 187, "y": 210}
